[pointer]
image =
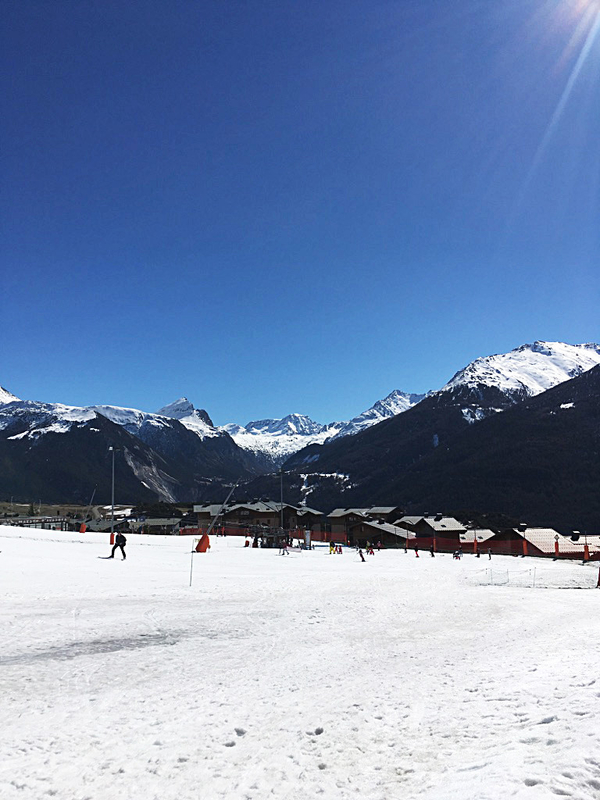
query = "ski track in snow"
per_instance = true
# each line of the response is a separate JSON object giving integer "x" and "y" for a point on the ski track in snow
{"x": 291, "y": 677}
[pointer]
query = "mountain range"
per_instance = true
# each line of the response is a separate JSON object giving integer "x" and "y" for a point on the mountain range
{"x": 60, "y": 453}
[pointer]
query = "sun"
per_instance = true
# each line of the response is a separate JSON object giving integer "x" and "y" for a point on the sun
{"x": 587, "y": 7}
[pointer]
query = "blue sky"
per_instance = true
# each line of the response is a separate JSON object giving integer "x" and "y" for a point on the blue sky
{"x": 287, "y": 206}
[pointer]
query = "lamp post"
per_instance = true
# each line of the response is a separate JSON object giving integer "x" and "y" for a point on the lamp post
{"x": 112, "y": 494}
{"x": 281, "y": 497}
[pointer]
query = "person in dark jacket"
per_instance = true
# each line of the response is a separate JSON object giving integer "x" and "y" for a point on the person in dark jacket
{"x": 120, "y": 541}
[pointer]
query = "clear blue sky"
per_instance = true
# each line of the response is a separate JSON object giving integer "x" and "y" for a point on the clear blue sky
{"x": 278, "y": 206}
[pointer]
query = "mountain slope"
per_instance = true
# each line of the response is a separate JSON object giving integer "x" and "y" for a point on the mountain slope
{"x": 395, "y": 403}
{"x": 6, "y": 396}
{"x": 44, "y": 456}
{"x": 539, "y": 460}
{"x": 526, "y": 371}
{"x": 53, "y": 451}
{"x": 278, "y": 439}
{"x": 368, "y": 461}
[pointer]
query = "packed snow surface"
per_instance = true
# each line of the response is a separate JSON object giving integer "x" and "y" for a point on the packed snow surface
{"x": 293, "y": 677}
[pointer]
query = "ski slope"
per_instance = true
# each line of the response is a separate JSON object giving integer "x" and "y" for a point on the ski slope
{"x": 292, "y": 677}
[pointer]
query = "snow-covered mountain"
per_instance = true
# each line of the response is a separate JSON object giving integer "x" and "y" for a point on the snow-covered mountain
{"x": 182, "y": 410}
{"x": 395, "y": 403}
{"x": 291, "y": 425}
{"x": 528, "y": 370}
{"x": 27, "y": 419}
{"x": 195, "y": 419}
{"x": 280, "y": 438}
{"x": 58, "y": 451}
{"x": 181, "y": 443}
{"x": 6, "y": 397}
{"x": 277, "y": 439}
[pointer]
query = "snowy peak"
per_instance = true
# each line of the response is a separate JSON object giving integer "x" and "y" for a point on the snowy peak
{"x": 182, "y": 409}
{"x": 7, "y": 397}
{"x": 135, "y": 421}
{"x": 395, "y": 403}
{"x": 129, "y": 418}
{"x": 528, "y": 370}
{"x": 280, "y": 438}
{"x": 293, "y": 424}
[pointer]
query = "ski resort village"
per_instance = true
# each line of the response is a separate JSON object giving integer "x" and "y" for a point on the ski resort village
{"x": 401, "y": 605}
{"x": 300, "y": 400}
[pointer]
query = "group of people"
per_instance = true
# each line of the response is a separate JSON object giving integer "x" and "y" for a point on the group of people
{"x": 369, "y": 550}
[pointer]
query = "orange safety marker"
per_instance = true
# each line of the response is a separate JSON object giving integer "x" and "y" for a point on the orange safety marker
{"x": 203, "y": 545}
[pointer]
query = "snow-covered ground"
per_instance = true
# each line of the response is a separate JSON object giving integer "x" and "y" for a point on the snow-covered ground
{"x": 294, "y": 677}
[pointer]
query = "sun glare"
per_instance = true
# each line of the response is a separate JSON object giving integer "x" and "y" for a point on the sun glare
{"x": 580, "y": 20}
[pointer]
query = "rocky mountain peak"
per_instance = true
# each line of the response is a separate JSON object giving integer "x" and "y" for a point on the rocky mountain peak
{"x": 6, "y": 396}
{"x": 291, "y": 424}
{"x": 182, "y": 409}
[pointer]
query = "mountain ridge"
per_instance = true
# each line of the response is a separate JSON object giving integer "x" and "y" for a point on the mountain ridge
{"x": 186, "y": 454}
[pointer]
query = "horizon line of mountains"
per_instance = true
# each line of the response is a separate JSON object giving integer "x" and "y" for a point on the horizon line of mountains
{"x": 451, "y": 449}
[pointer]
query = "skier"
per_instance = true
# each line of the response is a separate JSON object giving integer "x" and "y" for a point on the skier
{"x": 120, "y": 541}
{"x": 362, "y": 558}
{"x": 432, "y": 551}
{"x": 417, "y": 552}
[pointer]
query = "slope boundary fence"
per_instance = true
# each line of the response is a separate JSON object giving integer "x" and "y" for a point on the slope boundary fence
{"x": 534, "y": 578}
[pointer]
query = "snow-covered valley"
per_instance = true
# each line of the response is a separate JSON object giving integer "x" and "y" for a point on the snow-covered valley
{"x": 297, "y": 676}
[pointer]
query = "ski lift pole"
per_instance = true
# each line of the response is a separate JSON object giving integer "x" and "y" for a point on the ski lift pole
{"x": 211, "y": 526}
{"x": 220, "y": 511}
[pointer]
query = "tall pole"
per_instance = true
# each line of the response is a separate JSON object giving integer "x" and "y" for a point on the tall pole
{"x": 281, "y": 496}
{"x": 112, "y": 495}
{"x": 211, "y": 526}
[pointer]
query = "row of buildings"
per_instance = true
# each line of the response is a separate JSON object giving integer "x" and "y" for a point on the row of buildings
{"x": 385, "y": 525}
{"x": 390, "y": 527}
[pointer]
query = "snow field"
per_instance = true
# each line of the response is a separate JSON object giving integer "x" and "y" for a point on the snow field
{"x": 297, "y": 676}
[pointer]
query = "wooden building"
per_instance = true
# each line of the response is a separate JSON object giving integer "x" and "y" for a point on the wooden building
{"x": 390, "y": 536}
{"x": 264, "y": 513}
{"x": 442, "y": 532}
{"x": 342, "y": 520}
